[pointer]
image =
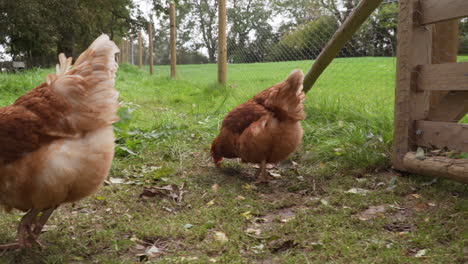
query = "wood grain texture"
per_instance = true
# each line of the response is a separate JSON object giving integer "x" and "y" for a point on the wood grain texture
{"x": 359, "y": 15}
{"x": 222, "y": 47}
{"x": 452, "y": 107}
{"x": 441, "y": 135}
{"x": 433, "y": 11}
{"x": 150, "y": 36}
{"x": 414, "y": 48}
{"x": 173, "y": 39}
{"x": 443, "y": 77}
{"x": 454, "y": 169}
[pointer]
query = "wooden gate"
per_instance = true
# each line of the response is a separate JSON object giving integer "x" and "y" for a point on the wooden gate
{"x": 431, "y": 88}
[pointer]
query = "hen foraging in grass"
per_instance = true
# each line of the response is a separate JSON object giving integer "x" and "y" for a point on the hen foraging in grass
{"x": 266, "y": 128}
{"x": 57, "y": 141}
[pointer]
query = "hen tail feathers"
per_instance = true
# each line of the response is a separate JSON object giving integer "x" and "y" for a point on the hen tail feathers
{"x": 89, "y": 85}
{"x": 286, "y": 99}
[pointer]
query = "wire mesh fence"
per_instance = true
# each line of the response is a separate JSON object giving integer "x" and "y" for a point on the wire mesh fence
{"x": 267, "y": 39}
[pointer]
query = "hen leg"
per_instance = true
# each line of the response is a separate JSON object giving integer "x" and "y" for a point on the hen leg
{"x": 41, "y": 222}
{"x": 24, "y": 229}
{"x": 263, "y": 176}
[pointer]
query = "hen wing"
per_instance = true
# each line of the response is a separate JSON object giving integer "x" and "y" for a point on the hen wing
{"x": 243, "y": 116}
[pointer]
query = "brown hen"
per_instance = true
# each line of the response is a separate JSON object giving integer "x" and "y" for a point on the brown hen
{"x": 57, "y": 141}
{"x": 266, "y": 128}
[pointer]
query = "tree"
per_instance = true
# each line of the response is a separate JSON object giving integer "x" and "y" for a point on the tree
{"x": 37, "y": 30}
{"x": 247, "y": 18}
{"x": 206, "y": 12}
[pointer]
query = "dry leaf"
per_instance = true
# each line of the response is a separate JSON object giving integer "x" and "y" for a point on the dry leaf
{"x": 372, "y": 212}
{"x": 421, "y": 253}
{"x": 274, "y": 174}
{"x": 221, "y": 237}
{"x": 358, "y": 191}
{"x": 253, "y": 231}
{"x": 210, "y": 203}
{"x": 215, "y": 187}
{"x": 240, "y": 198}
{"x": 247, "y": 215}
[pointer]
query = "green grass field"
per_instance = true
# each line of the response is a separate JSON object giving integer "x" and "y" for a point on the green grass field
{"x": 310, "y": 214}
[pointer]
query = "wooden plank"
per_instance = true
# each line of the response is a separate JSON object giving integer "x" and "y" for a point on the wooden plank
{"x": 443, "y": 77}
{"x": 453, "y": 169}
{"x": 222, "y": 47}
{"x": 452, "y": 108}
{"x": 414, "y": 48}
{"x": 441, "y": 135}
{"x": 173, "y": 39}
{"x": 433, "y": 11}
{"x": 354, "y": 21}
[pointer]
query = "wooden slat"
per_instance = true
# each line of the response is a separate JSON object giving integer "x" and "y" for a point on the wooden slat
{"x": 454, "y": 169}
{"x": 452, "y": 108}
{"x": 441, "y": 135}
{"x": 414, "y": 48}
{"x": 433, "y": 11}
{"x": 443, "y": 77}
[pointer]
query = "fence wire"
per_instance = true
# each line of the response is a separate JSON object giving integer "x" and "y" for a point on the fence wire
{"x": 268, "y": 39}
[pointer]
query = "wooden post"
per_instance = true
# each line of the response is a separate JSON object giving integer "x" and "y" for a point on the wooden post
{"x": 173, "y": 39}
{"x": 132, "y": 57}
{"x": 222, "y": 43}
{"x": 121, "y": 56}
{"x": 140, "y": 51}
{"x": 128, "y": 50}
{"x": 414, "y": 49}
{"x": 354, "y": 21}
{"x": 150, "y": 51}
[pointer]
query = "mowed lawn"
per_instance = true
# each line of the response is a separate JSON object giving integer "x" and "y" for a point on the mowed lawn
{"x": 335, "y": 201}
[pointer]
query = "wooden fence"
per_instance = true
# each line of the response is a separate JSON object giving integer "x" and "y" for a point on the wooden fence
{"x": 431, "y": 88}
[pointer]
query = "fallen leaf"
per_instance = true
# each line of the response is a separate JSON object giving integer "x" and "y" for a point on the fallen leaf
{"x": 240, "y": 198}
{"x": 221, "y": 237}
{"x": 249, "y": 186}
{"x": 210, "y": 203}
{"x": 247, "y": 215}
{"x": 173, "y": 191}
{"x": 324, "y": 202}
{"x": 253, "y": 231}
{"x": 419, "y": 207}
{"x": 188, "y": 226}
{"x": 415, "y": 195}
{"x": 420, "y": 253}
{"x": 358, "y": 191}
{"x": 420, "y": 155}
{"x": 215, "y": 187}
{"x": 116, "y": 180}
{"x": 372, "y": 212}
{"x": 274, "y": 174}
{"x": 258, "y": 248}
{"x": 152, "y": 251}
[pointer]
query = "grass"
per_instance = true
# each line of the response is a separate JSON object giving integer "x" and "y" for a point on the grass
{"x": 306, "y": 216}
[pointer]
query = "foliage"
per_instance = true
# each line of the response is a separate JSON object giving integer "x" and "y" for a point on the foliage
{"x": 37, "y": 30}
{"x": 305, "y": 42}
